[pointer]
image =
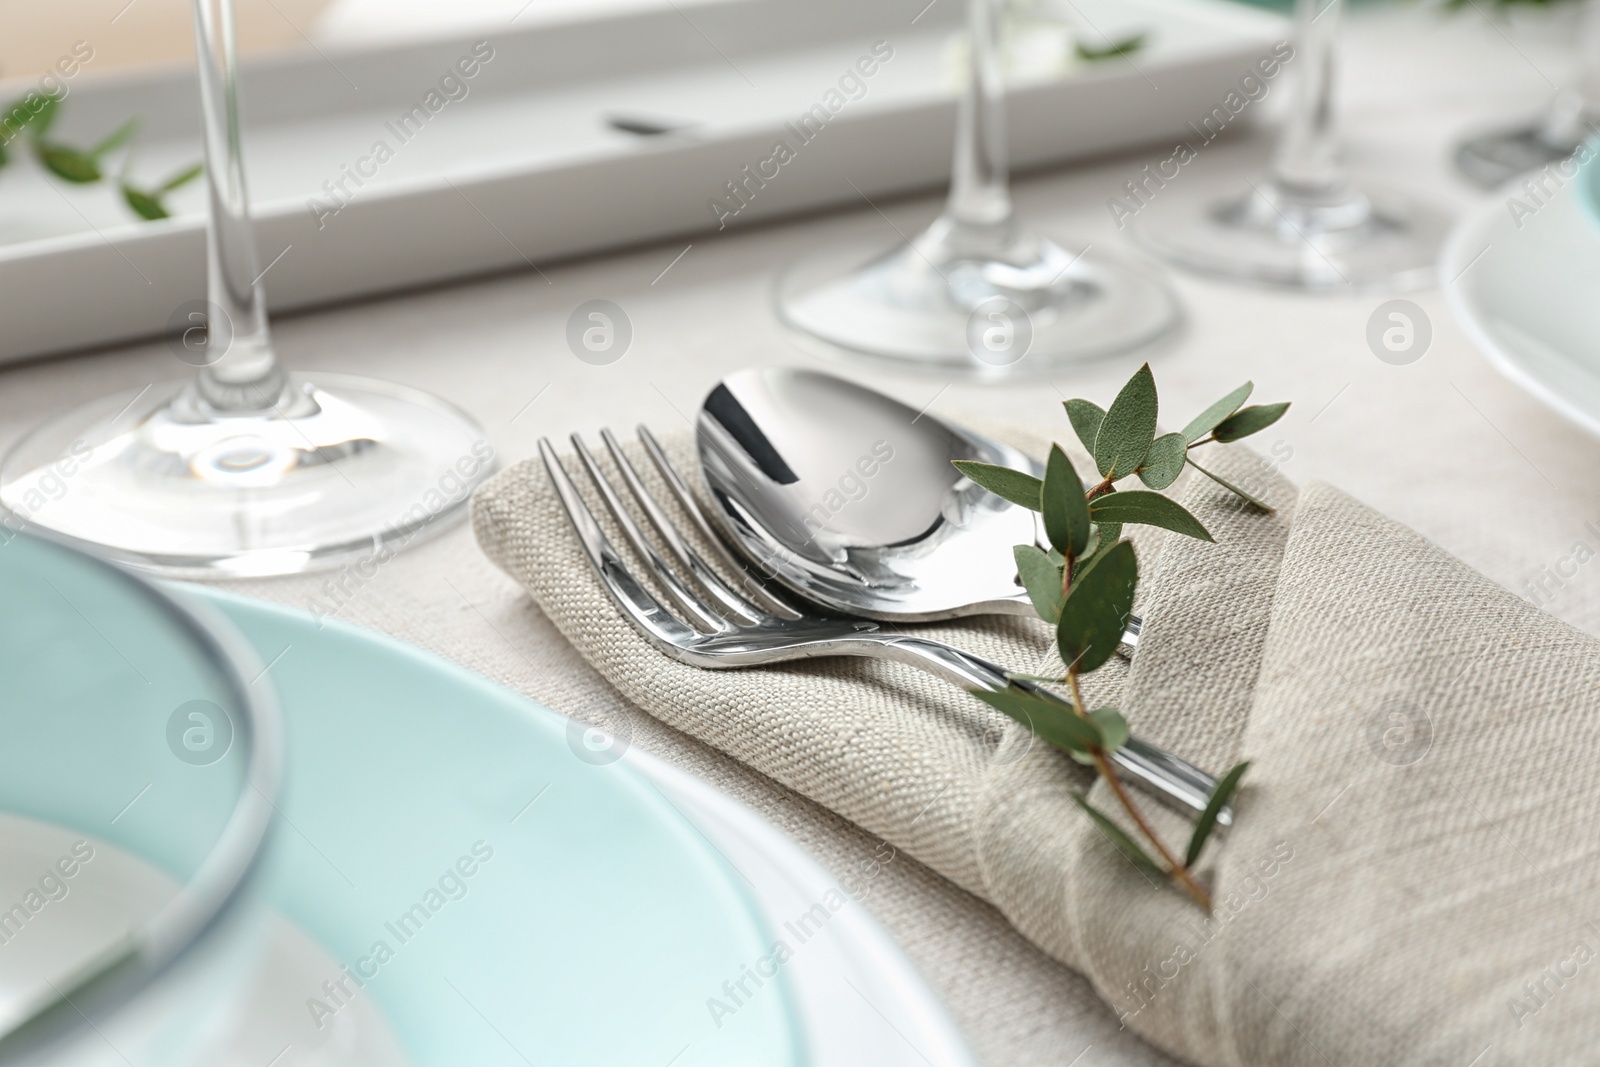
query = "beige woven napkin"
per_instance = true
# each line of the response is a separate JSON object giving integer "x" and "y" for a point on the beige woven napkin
{"x": 1414, "y": 876}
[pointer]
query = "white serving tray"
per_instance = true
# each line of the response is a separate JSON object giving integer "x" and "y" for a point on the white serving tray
{"x": 527, "y": 168}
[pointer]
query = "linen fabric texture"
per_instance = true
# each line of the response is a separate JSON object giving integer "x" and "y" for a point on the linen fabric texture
{"x": 1413, "y": 876}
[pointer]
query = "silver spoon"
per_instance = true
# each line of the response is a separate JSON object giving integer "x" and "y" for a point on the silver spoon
{"x": 847, "y": 498}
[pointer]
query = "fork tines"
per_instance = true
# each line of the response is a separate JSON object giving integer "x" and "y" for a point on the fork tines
{"x": 705, "y": 603}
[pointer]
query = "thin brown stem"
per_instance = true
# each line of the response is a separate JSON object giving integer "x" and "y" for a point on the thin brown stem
{"x": 1077, "y": 692}
{"x": 1174, "y": 868}
{"x": 1103, "y": 765}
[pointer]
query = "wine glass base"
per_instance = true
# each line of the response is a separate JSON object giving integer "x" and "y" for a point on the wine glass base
{"x": 1351, "y": 241}
{"x": 1492, "y": 159}
{"x": 344, "y": 470}
{"x": 975, "y": 303}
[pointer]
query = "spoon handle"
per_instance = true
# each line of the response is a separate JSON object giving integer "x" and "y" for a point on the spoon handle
{"x": 1169, "y": 778}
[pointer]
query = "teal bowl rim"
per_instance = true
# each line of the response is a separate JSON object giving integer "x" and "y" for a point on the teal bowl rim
{"x": 1588, "y": 179}
{"x": 219, "y": 889}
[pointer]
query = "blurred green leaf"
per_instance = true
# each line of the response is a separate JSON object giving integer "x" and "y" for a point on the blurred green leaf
{"x": 1041, "y": 577}
{"x": 114, "y": 140}
{"x": 1086, "y": 418}
{"x": 1128, "y": 428}
{"x": 66, "y": 163}
{"x": 1114, "y": 833}
{"x": 34, "y": 111}
{"x": 1113, "y": 727}
{"x": 1208, "y": 818}
{"x": 1164, "y": 462}
{"x": 1124, "y": 47}
{"x": 1247, "y": 421}
{"x": 183, "y": 177}
{"x": 1015, "y": 486}
{"x": 1262, "y": 504}
{"x": 1066, "y": 515}
{"x": 1051, "y": 720}
{"x": 1096, "y": 609}
{"x": 146, "y": 206}
{"x": 41, "y": 117}
{"x": 1207, "y": 420}
{"x": 1148, "y": 509}
{"x": 14, "y": 118}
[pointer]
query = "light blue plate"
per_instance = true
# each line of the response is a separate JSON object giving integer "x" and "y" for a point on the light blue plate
{"x": 595, "y": 922}
{"x": 1589, "y": 183}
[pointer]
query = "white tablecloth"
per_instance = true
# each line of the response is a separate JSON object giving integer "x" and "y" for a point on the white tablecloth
{"x": 1444, "y": 444}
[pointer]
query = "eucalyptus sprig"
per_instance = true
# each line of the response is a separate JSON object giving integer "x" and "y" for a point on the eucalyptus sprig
{"x": 35, "y": 114}
{"x": 1084, "y": 583}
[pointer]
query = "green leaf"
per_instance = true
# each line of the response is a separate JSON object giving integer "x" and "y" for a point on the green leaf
{"x": 1100, "y": 541}
{"x": 1164, "y": 462}
{"x": 1247, "y": 421}
{"x": 1128, "y": 428}
{"x": 5, "y": 157}
{"x": 13, "y": 120}
{"x": 148, "y": 207}
{"x": 25, "y": 113}
{"x": 1208, "y": 818}
{"x": 1086, "y": 417}
{"x": 1041, "y": 577}
{"x": 1066, "y": 514}
{"x": 1114, "y": 833}
{"x": 183, "y": 177}
{"x": 115, "y": 139}
{"x": 1262, "y": 504}
{"x": 67, "y": 164}
{"x": 1096, "y": 609}
{"x": 1015, "y": 486}
{"x": 1113, "y": 727}
{"x": 41, "y": 117}
{"x": 1149, "y": 509}
{"x": 1207, "y": 420}
{"x": 1051, "y": 720}
{"x": 1124, "y": 47}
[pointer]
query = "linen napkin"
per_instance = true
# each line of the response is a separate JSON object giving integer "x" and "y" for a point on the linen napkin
{"x": 1414, "y": 872}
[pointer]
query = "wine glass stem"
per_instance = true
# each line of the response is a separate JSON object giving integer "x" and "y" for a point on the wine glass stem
{"x": 1307, "y": 156}
{"x": 978, "y": 182}
{"x": 246, "y": 377}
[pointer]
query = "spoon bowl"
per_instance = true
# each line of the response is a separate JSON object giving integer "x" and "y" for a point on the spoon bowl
{"x": 848, "y": 498}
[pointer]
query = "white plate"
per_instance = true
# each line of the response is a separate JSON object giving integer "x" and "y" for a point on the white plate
{"x": 1528, "y": 296}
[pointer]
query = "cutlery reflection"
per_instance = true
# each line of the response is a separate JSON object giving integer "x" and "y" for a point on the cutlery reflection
{"x": 847, "y": 498}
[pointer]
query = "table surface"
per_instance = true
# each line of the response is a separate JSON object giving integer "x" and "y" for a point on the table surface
{"x": 1444, "y": 444}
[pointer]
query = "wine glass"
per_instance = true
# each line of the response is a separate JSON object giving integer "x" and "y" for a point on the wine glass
{"x": 1572, "y": 117}
{"x": 977, "y": 292}
{"x": 1304, "y": 225}
{"x": 244, "y": 468}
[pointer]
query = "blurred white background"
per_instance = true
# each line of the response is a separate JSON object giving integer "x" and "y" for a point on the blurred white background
{"x": 138, "y": 32}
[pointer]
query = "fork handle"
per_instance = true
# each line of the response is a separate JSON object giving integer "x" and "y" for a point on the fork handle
{"x": 1170, "y": 778}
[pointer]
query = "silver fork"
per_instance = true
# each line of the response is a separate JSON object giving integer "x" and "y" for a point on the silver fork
{"x": 719, "y": 627}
